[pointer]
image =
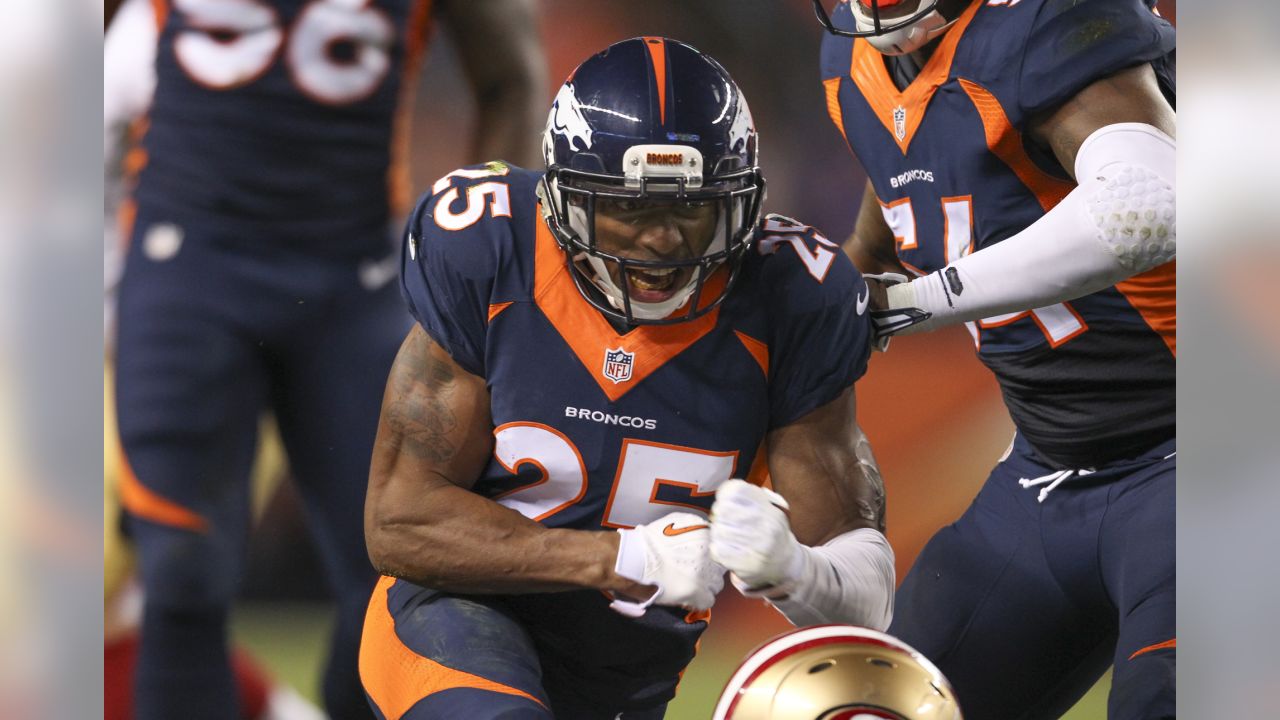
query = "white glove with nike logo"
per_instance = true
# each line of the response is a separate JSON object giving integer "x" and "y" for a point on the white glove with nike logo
{"x": 671, "y": 554}
{"x": 751, "y": 536}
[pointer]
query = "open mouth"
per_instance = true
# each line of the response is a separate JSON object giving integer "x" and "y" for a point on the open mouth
{"x": 652, "y": 285}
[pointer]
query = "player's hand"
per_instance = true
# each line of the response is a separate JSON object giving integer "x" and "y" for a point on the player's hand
{"x": 751, "y": 536}
{"x": 887, "y": 321}
{"x": 670, "y": 554}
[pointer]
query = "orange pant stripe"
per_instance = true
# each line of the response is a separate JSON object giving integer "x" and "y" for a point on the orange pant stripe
{"x": 140, "y": 501}
{"x": 396, "y": 677}
{"x": 1158, "y": 646}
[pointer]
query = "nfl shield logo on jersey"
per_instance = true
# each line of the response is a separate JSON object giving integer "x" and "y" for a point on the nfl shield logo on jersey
{"x": 617, "y": 364}
{"x": 900, "y": 122}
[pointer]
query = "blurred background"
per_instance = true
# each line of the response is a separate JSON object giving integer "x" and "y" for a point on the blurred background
{"x": 933, "y": 413}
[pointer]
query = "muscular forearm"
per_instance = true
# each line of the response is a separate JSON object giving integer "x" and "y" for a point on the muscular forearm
{"x": 422, "y": 521}
{"x": 452, "y": 539}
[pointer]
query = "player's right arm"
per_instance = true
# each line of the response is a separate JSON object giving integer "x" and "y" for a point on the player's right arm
{"x": 423, "y": 523}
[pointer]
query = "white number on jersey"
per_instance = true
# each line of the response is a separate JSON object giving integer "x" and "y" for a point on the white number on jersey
{"x": 498, "y": 193}
{"x": 1059, "y": 322}
{"x": 779, "y": 229}
{"x": 644, "y": 468}
{"x": 233, "y": 42}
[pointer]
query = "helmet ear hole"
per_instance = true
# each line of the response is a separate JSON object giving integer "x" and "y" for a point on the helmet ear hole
{"x": 824, "y": 665}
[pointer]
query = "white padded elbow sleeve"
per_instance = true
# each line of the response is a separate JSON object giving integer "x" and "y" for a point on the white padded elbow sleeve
{"x": 1118, "y": 222}
{"x": 847, "y": 580}
{"x": 1131, "y": 171}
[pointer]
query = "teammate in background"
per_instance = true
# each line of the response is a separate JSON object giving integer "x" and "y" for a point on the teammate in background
{"x": 1021, "y": 164}
{"x": 257, "y": 276}
{"x": 128, "y": 81}
{"x": 599, "y": 350}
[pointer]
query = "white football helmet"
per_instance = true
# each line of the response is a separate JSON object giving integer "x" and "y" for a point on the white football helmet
{"x": 836, "y": 672}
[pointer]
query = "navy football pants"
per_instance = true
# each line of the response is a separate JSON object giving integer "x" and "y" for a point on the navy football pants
{"x": 209, "y": 338}
{"x": 431, "y": 656}
{"x": 1024, "y": 603}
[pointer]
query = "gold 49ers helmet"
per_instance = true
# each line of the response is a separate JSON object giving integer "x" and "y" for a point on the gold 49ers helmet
{"x": 836, "y": 672}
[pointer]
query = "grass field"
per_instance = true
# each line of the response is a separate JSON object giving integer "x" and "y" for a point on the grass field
{"x": 288, "y": 638}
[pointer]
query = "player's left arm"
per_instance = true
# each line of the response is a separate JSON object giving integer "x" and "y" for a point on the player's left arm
{"x": 814, "y": 546}
{"x": 1116, "y": 136}
{"x": 503, "y": 57}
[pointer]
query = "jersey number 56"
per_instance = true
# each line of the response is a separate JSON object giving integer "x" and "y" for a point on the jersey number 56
{"x": 336, "y": 51}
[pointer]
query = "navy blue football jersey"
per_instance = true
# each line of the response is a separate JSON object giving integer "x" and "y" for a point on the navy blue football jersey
{"x": 600, "y": 429}
{"x": 275, "y": 119}
{"x": 1086, "y": 381}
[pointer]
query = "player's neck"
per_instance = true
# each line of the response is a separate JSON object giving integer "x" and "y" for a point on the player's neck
{"x": 904, "y": 69}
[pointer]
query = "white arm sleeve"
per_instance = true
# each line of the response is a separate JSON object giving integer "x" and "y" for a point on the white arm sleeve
{"x": 847, "y": 580}
{"x": 1118, "y": 222}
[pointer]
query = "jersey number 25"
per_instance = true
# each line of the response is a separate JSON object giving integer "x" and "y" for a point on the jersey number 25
{"x": 652, "y": 479}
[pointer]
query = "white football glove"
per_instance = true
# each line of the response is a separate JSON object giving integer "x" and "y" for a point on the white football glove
{"x": 671, "y": 554}
{"x": 885, "y": 322}
{"x": 751, "y": 536}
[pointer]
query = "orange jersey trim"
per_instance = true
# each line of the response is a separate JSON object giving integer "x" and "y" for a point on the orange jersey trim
{"x": 399, "y": 175}
{"x": 1006, "y": 143}
{"x": 589, "y": 335}
{"x": 832, "y": 87}
{"x": 758, "y": 475}
{"x": 759, "y": 351}
{"x": 1154, "y": 294}
{"x": 693, "y": 617}
{"x": 872, "y": 78}
{"x": 126, "y": 217}
{"x": 496, "y": 309}
{"x": 1167, "y": 644}
{"x": 161, "y": 10}
{"x": 658, "y": 56}
{"x": 396, "y": 677}
{"x": 141, "y": 502}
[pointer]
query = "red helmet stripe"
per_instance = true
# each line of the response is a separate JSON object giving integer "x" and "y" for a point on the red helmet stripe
{"x": 658, "y": 56}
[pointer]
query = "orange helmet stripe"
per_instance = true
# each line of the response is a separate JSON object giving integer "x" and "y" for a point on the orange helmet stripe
{"x": 658, "y": 56}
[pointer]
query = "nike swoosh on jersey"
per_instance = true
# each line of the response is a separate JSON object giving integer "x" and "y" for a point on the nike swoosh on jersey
{"x": 863, "y": 299}
{"x": 672, "y": 530}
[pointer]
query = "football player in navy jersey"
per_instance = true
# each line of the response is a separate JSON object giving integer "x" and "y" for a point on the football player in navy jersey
{"x": 1020, "y": 156}
{"x": 609, "y": 359}
{"x": 258, "y": 275}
